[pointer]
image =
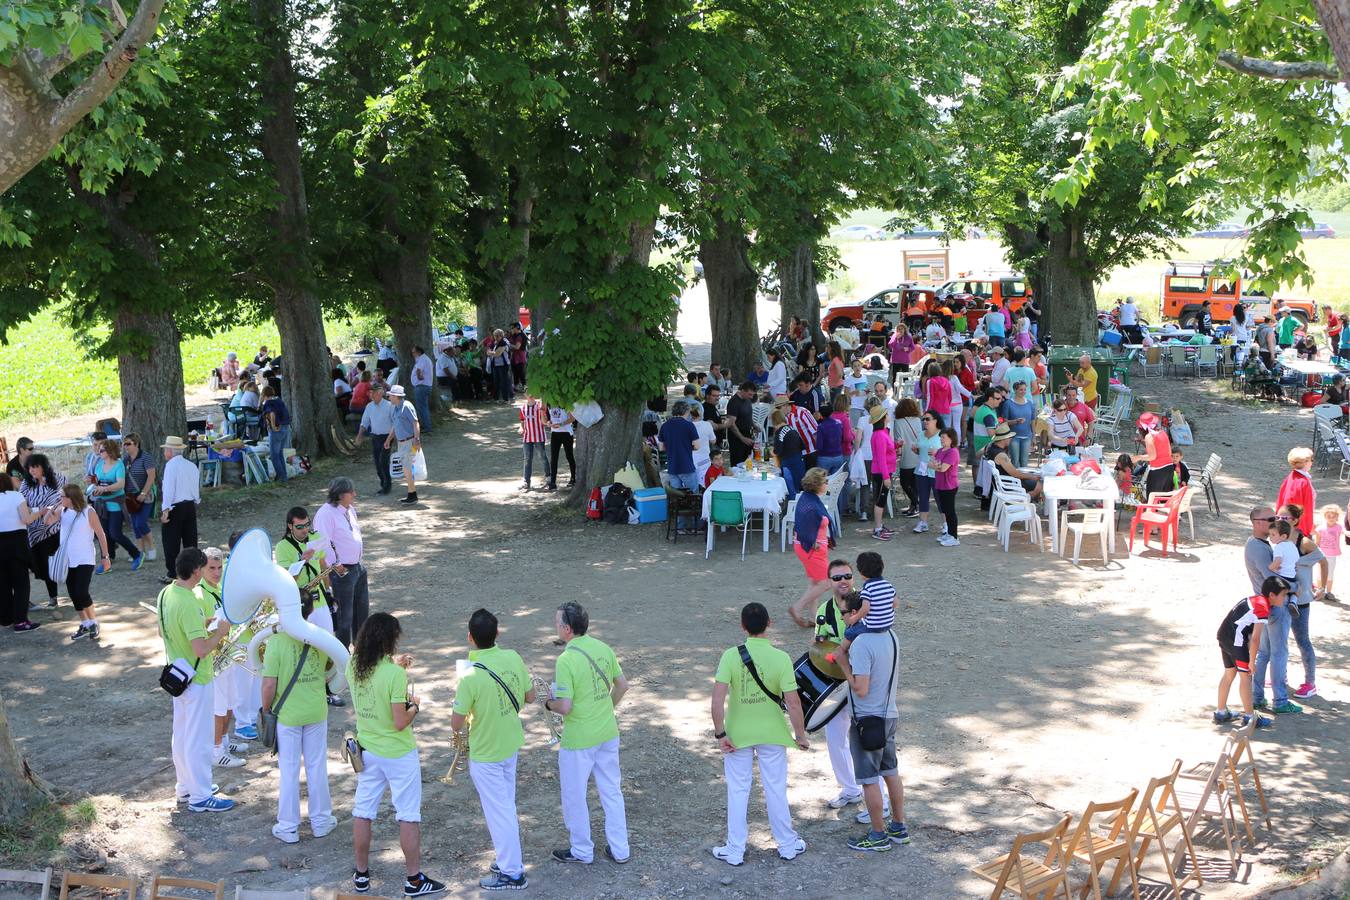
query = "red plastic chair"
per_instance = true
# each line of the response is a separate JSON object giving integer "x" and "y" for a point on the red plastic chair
{"x": 1163, "y": 512}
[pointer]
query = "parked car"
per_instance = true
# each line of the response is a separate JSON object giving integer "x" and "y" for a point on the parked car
{"x": 859, "y": 233}
{"x": 916, "y": 233}
{"x": 1319, "y": 230}
{"x": 1225, "y": 230}
{"x": 1186, "y": 284}
{"x": 996, "y": 288}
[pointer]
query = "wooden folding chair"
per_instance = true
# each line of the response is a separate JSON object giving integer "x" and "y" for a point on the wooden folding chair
{"x": 1027, "y": 877}
{"x": 1098, "y": 849}
{"x": 217, "y": 888}
{"x": 243, "y": 893}
{"x": 25, "y": 876}
{"x": 1153, "y": 822}
{"x": 1236, "y": 746}
{"x": 1208, "y": 801}
{"x": 104, "y": 883}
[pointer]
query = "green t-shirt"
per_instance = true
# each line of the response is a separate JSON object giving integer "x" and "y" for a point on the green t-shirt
{"x": 1288, "y": 325}
{"x": 184, "y": 614}
{"x": 752, "y": 718}
{"x": 824, "y": 630}
{"x": 495, "y": 732}
{"x": 985, "y": 420}
{"x": 591, "y": 721}
{"x": 374, "y": 719}
{"x": 288, "y": 553}
{"x": 306, "y": 703}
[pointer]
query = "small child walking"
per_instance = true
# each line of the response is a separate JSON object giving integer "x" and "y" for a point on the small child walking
{"x": 1329, "y": 538}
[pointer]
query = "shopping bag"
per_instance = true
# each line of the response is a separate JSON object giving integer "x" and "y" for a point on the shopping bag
{"x": 419, "y": 465}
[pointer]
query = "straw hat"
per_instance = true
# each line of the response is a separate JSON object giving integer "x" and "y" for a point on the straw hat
{"x": 1002, "y": 433}
{"x": 878, "y": 413}
{"x": 173, "y": 442}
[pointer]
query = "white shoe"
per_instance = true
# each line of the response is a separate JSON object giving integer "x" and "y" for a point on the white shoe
{"x": 844, "y": 799}
{"x": 921, "y": 528}
{"x": 323, "y": 830}
{"x": 949, "y": 541}
{"x": 152, "y": 554}
{"x": 792, "y": 851}
{"x": 863, "y": 817}
{"x": 224, "y": 760}
{"x": 725, "y": 856}
{"x": 286, "y": 837}
{"x": 237, "y": 747}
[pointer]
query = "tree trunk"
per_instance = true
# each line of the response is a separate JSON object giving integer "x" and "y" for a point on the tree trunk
{"x": 731, "y": 282}
{"x": 502, "y": 280}
{"x": 405, "y": 293}
{"x": 797, "y": 289}
{"x": 150, "y": 372}
{"x": 1335, "y": 18}
{"x": 299, "y": 315}
{"x": 20, "y": 787}
{"x": 1065, "y": 288}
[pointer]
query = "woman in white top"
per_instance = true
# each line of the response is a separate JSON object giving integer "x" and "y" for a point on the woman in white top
{"x": 777, "y": 384}
{"x": 860, "y": 466}
{"x": 706, "y": 436}
{"x": 15, "y": 517}
{"x": 342, "y": 391}
{"x": 80, "y": 528}
{"x": 561, "y": 436}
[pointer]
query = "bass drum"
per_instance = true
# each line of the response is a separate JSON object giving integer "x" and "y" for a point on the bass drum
{"x": 823, "y": 696}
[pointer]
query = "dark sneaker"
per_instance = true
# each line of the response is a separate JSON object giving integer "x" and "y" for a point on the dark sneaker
{"x": 911, "y": 513}
{"x": 93, "y": 632}
{"x": 1287, "y": 706}
{"x": 421, "y": 886}
{"x": 361, "y": 882}
{"x": 497, "y": 881}
{"x": 609, "y": 854}
{"x": 336, "y": 700}
{"x": 1261, "y": 721}
{"x": 81, "y": 633}
{"x": 212, "y": 804}
{"x": 873, "y": 841}
{"x": 897, "y": 832}
{"x": 138, "y": 562}
{"x": 411, "y": 498}
{"x": 26, "y": 625}
{"x": 881, "y": 535}
{"x": 1223, "y": 717}
{"x": 564, "y": 855}
{"x": 1261, "y": 704}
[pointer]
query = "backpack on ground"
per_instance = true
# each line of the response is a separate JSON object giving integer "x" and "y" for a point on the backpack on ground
{"x": 617, "y": 503}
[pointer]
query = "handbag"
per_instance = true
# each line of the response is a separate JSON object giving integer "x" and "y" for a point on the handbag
{"x": 267, "y": 718}
{"x": 871, "y": 730}
{"x": 58, "y": 564}
{"x": 176, "y": 675}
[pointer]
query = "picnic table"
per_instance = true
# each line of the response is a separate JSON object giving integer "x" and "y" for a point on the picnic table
{"x": 763, "y": 496}
{"x": 1068, "y": 487}
{"x": 1308, "y": 369}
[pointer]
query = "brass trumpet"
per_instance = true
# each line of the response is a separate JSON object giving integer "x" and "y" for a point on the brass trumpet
{"x": 543, "y": 693}
{"x": 308, "y": 588}
{"x": 460, "y": 761}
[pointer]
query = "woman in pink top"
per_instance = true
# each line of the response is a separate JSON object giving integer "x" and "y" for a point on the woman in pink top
{"x": 902, "y": 350}
{"x": 834, "y": 376}
{"x": 947, "y": 465}
{"x": 939, "y": 392}
{"x": 883, "y": 467}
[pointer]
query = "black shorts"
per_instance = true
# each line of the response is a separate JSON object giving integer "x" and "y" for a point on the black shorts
{"x": 1236, "y": 657}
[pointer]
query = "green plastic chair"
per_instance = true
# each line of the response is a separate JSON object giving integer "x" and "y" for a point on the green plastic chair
{"x": 728, "y": 508}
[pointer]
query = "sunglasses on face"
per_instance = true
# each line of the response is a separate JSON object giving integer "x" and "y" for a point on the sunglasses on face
{"x": 928, "y": 418}
{"x": 1285, "y": 518}
{"x": 846, "y": 577}
{"x": 300, "y": 526}
{"x": 1269, "y": 520}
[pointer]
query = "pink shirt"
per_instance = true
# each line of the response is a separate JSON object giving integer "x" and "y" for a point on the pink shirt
{"x": 341, "y": 533}
{"x": 883, "y": 452}
{"x": 947, "y": 481}
{"x": 847, "y": 439}
{"x": 940, "y": 394}
{"x": 1329, "y": 539}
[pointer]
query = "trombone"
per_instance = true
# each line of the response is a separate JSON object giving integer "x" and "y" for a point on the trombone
{"x": 543, "y": 692}
{"x": 460, "y": 761}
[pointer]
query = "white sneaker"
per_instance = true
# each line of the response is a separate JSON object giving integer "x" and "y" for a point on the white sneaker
{"x": 224, "y": 760}
{"x": 152, "y": 554}
{"x": 921, "y": 528}
{"x": 725, "y": 856}
{"x": 323, "y": 830}
{"x": 286, "y": 837}
{"x": 863, "y": 817}
{"x": 792, "y": 851}
{"x": 844, "y": 799}
{"x": 237, "y": 747}
{"x": 948, "y": 541}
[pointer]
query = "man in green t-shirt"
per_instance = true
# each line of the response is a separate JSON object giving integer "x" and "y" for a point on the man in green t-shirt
{"x": 302, "y": 730}
{"x": 189, "y": 639}
{"x": 1287, "y": 326}
{"x": 488, "y": 701}
{"x": 587, "y": 685}
{"x": 385, "y": 710}
{"x": 748, "y": 724}
{"x": 299, "y": 554}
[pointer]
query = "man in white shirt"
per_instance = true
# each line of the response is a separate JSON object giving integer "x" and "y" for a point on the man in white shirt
{"x": 422, "y": 373}
{"x": 1129, "y": 320}
{"x": 999, "y": 377}
{"x": 447, "y": 371}
{"x": 377, "y": 420}
{"x": 181, "y": 492}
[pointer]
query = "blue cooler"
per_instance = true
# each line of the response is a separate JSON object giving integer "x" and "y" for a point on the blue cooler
{"x": 651, "y": 504}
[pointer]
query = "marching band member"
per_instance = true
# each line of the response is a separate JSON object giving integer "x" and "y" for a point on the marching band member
{"x": 489, "y": 698}
{"x": 588, "y": 684}
{"x": 183, "y": 621}
{"x": 759, "y": 679}
{"x": 294, "y": 554}
{"x": 248, "y": 685}
{"x": 228, "y": 691}
{"x": 294, "y": 676}
{"x": 385, "y": 712}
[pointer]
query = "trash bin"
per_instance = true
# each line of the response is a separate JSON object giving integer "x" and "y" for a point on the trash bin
{"x": 1062, "y": 358}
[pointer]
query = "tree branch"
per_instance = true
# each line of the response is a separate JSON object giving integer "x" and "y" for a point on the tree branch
{"x": 1278, "y": 71}
{"x": 104, "y": 79}
{"x": 51, "y": 66}
{"x": 35, "y": 80}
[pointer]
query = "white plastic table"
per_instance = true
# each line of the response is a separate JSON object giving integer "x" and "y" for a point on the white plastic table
{"x": 757, "y": 496}
{"x": 1067, "y": 487}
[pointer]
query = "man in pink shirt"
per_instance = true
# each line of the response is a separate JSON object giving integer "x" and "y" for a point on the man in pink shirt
{"x": 336, "y": 522}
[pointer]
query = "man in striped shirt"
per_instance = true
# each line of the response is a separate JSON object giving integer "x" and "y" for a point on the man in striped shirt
{"x": 533, "y": 434}
{"x": 803, "y": 421}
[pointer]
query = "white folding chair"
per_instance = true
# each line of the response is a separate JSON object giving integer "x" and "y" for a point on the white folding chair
{"x": 1343, "y": 450}
{"x": 43, "y": 879}
{"x": 788, "y": 529}
{"x": 1184, "y": 509}
{"x": 1176, "y": 358}
{"x": 833, "y": 488}
{"x": 1206, "y": 481}
{"x": 1207, "y": 357}
{"x": 1152, "y": 362}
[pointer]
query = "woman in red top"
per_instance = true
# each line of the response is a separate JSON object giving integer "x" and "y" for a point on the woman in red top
{"x": 834, "y": 376}
{"x": 1334, "y": 328}
{"x": 1158, "y": 447}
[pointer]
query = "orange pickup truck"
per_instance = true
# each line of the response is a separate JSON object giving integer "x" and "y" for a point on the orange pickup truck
{"x": 1186, "y": 284}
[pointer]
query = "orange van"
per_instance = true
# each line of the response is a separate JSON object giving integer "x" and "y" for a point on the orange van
{"x": 1187, "y": 284}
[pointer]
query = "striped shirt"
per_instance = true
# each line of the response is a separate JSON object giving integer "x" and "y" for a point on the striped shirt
{"x": 880, "y": 596}
{"x": 804, "y": 423}
{"x": 532, "y": 419}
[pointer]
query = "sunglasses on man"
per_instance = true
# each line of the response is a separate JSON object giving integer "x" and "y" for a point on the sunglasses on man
{"x": 845, "y": 577}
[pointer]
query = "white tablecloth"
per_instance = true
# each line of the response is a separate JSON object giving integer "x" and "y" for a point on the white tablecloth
{"x": 1067, "y": 487}
{"x": 765, "y": 496}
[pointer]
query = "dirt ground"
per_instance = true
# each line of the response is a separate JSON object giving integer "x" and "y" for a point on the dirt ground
{"x": 1029, "y": 687}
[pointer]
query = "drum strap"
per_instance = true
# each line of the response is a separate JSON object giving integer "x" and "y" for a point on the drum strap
{"x": 754, "y": 673}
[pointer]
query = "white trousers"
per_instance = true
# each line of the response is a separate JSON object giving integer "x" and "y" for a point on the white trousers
{"x": 575, "y": 768}
{"x": 841, "y": 760}
{"x": 193, "y": 730}
{"x": 739, "y": 769}
{"x": 322, "y": 616}
{"x": 496, "y": 784}
{"x": 311, "y": 741}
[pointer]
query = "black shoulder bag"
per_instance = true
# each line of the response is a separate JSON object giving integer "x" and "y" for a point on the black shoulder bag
{"x": 754, "y": 673}
{"x": 871, "y": 730}
{"x": 172, "y": 679}
{"x": 603, "y": 677}
{"x": 267, "y": 718}
{"x": 515, "y": 704}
